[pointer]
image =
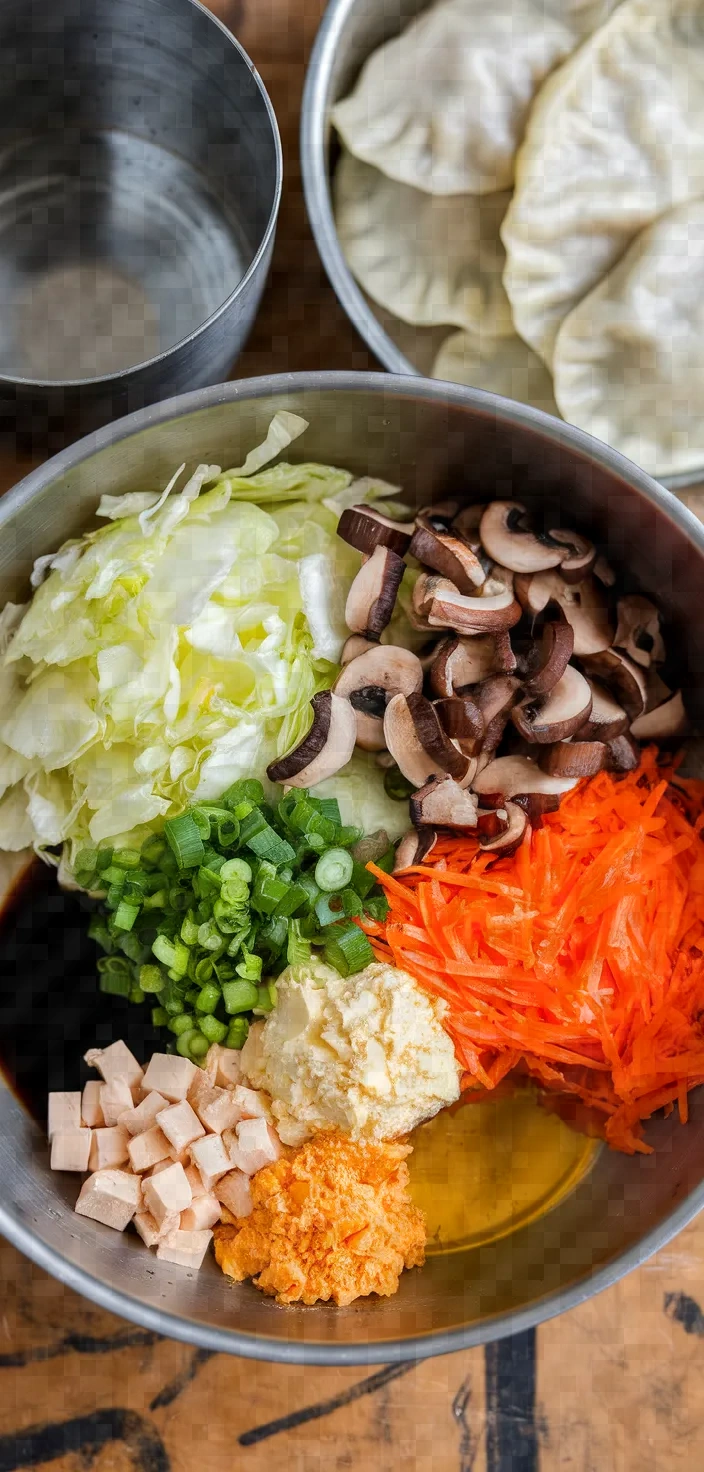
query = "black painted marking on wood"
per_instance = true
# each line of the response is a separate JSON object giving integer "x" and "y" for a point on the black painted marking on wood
{"x": 511, "y": 1433}
{"x": 80, "y": 1344}
{"x": 85, "y": 1434}
{"x": 326, "y": 1407}
{"x": 169, "y": 1393}
{"x": 685, "y": 1311}
{"x": 469, "y": 1443}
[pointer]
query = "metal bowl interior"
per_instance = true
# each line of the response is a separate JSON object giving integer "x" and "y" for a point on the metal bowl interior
{"x": 349, "y": 32}
{"x": 435, "y": 440}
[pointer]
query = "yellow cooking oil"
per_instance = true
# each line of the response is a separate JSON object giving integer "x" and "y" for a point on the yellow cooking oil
{"x": 485, "y": 1169}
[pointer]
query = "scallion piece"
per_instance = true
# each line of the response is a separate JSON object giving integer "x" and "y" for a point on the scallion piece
{"x": 347, "y": 949}
{"x": 208, "y": 998}
{"x": 184, "y": 839}
{"x": 334, "y": 869}
{"x": 212, "y": 1029}
{"x": 237, "y": 1033}
{"x": 151, "y": 979}
{"x": 125, "y": 915}
{"x": 239, "y": 996}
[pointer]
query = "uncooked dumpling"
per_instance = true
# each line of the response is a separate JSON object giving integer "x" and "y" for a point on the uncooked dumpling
{"x": 615, "y": 138}
{"x": 629, "y": 360}
{"x": 443, "y": 106}
{"x": 503, "y": 365}
{"x": 428, "y": 259}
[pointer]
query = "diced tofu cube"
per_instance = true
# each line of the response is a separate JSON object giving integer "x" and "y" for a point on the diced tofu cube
{"x": 201, "y": 1090}
{"x": 162, "y": 1165}
{"x": 167, "y": 1192}
{"x": 180, "y": 1124}
{"x": 195, "y": 1180}
{"x": 171, "y": 1075}
{"x": 203, "y": 1214}
{"x": 150, "y": 1231}
{"x": 223, "y": 1066}
{"x": 70, "y": 1149}
{"x": 211, "y": 1158}
{"x": 143, "y": 1116}
{"x": 186, "y": 1249}
{"x": 115, "y": 1099}
{"x": 114, "y": 1062}
{"x": 111, "y": 1197}
{"x": 108, "y": 1148}
{"x": 251, "y": 1103}
{"x": 64, "y": 1112}
{"x": 222, "y": 1111}
{"x": 257, "y": 1145}
{"x": 234, "y": 1192}
{"x": 91, "y": 1112}
{"x": 182, "y": 1156}
{"x": 148, "y": 1149}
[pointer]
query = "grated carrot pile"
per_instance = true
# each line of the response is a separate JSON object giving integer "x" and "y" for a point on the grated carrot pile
{"x": 580, "y": 958}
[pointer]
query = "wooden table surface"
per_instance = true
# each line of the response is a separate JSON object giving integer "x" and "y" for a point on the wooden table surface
{"x": 615, "y": 1386}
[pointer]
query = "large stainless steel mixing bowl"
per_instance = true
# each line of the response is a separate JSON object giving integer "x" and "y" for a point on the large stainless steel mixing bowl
{"x": 435, "y": 439}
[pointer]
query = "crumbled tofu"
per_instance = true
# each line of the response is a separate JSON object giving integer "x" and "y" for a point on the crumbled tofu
{"x": 234, "y": 1192}
{"x": 115, "y": 1061}
{"x": 143, "y": 1116}
{"x": 115, "y": 1099}
{"x": 70, "y": 1149}
{"x": 108, "y": 1148}
{"x": 222, "y": 1111}
{"x": 150, "y": 1231}
{"x": 223, "y": 1066}
{"x": 186, "y": 1249}
{"x": 91, "y": 1112}
{"x": 211, "y": 1158}
{"x": 180, "y": 1124}
{"x": 64, "y": 1112}
{"x": 257, "y": 1145}
{"x": 251, "y": 1103}
{"x": 203, "y": 1214}
{"x": 195, "y": 1180}
{"x": 148, "y": 1149}
{"x": 111, "y": 1197}
{"x": 171, "y": 1075}
{"x": 167, "y": 1193}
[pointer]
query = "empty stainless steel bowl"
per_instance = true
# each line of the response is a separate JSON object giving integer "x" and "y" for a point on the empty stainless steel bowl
{"x": 140, "y": 177}
{"x": 436, "y": 440}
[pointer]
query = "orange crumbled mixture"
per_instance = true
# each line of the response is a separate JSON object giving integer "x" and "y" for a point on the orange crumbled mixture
{"x": 334, "y": 1221}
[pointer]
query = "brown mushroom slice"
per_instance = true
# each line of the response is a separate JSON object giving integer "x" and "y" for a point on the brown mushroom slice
{"x": 518, "y": 775}
{"x": 467, "y": 522}
{"x": 495, "y": 698}
{"x": 666, "y": 724}
{"x": 581, "y": 556}
{"x": 536, "y": 804}
{"x": 460, "y": 663}
{"x": 440, "y": 516}
{"x": 623, "y": 754}
{"x": 574, "y": 758}
{"x": 449, "y": 609}
{"x": 549, "y": 658}
{"x": 507, "y": 536}
{"x": 413, "y": 848}
{"x": 447, "y": 555}
{"x": 364, "y": 528}
{"x": 492, "y": 822}
{"x": 418, "y": 743}
{"x": 606, "y": 718}
{"x": 327, "y": 747}
{"x": 444, "y": 804}
{"x": 638, "y": 630}
{"x": 372, "y": 597}
{"x": 557, "y": 715}
{"x": 354, "y": 646}
{"x": 512, "y": 837}
{"x": 369, "y": 681}
{"x": 583, "y": 606}
{"x": 624, "y": 678}
{"x": 463, "y": 721}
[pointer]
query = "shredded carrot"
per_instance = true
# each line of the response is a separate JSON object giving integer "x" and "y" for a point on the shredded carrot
{"x": 580, "y": 958}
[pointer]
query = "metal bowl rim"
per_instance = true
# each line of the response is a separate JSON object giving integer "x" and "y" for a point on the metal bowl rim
{"x": 497, "y": 1326}
{"x": 57, "y": 384}
{"x": 318, "y": 199}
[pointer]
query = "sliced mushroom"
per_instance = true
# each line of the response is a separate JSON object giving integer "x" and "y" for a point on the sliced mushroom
{"x": 606, "y": 718}
{"x": 512, "y": 837}
{"x": 666, "y": 724}
{"x": 418, "y": 743}
{"x": 459, "y": 663}
{"x": 623, "y": 754}
{"x": 495, "y": 698}
{"x": 581, "y": 556}
{"x": 364, "y": 528}
{"x": 371, "y": 599}
{"x": 354, "y": 646}
{"x": 638, "y": 630}
{"x": 444, "y": 804}
{"x": 327, "y": 747}
{"x": 574, "y": 758}
{"x": 536, "y": 804}
{"x": 622, "y": 676}
{"x": 491, "y": 823}
{"x": 463, "y": 721}
{"x": 656, "y": 691}
{"x": 583, "y": 606}
{"x": 369, "y": 681}
{"x": 413, "y": 848}
{"x": 515, "y": 776}
{"x": 557, "y": 715}
{"x": 507, "y": 536}
{"x": 447, "y": 555}
{"x": 467, "y": 522}
{"x": 446, "y": 608}
{"x": 548, "y": 659}
{"x": 440, "y": 516}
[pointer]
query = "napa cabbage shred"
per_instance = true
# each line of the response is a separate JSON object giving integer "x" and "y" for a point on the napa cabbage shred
{"x": 580, "y": 958}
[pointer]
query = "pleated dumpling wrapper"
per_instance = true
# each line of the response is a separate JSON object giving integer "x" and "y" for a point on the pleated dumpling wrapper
{"x": 443, "y": 106}
{"x": 502, "y": 365}
{"x": 615, "y": 138}
{"x": 629, "y": 360}
{"x": 427, "y": 259}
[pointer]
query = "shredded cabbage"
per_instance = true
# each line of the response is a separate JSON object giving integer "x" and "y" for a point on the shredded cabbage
{"x": 173, "y": 650}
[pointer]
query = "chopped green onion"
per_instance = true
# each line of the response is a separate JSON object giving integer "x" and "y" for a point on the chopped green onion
{"x": 362, "y": 881}
{"x": 160, "y": 1017}
{"x": 208, "y": 998}
{"x": 377, "y": 906}
{"x": 184, "y": 839}
{"x": 329, "y": 908}
{"x": 347, "y": 949}
{"x": 266, "y": 844}
{"x": 127, "y": 858}
{"x": 173, "y": 954}
{"x": 237, "y": 869}
{"x": 250, "y": 968}
{"x": 184, "y": 1022}
{"x": 103, "y": 860}
{"x": 151, "y": 979}
{"x": 264, "y": 1002}
{"x": 212, "y": 1029}
{"x": 125, "y": 915}
{"x": 137, "y": 995}
{"x": 334, "y": 870}
{"x": 298, "y": 949}
{"x": 239, "y": 996}
{"x": 330, "y": 808}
